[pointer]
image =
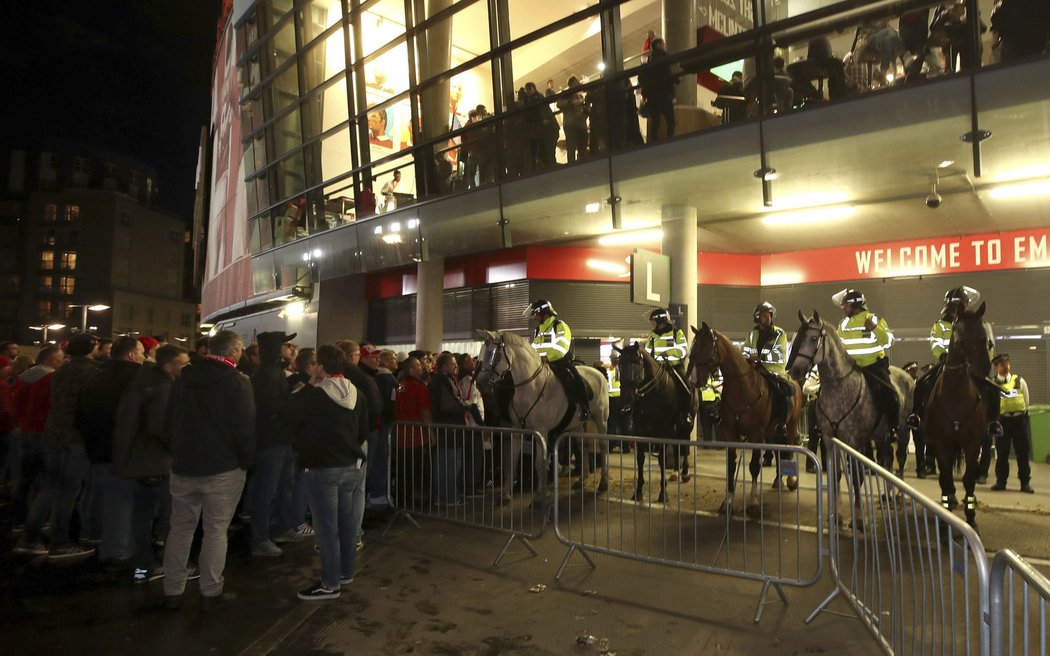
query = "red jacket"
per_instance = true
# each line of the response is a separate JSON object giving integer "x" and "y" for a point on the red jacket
{"x": 412, "y": 399}
{"x": 31, "y": 399}
{"x": 7, "y": 420}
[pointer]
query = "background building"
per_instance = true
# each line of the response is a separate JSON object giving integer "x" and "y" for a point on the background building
{"x": 80, "y": 230}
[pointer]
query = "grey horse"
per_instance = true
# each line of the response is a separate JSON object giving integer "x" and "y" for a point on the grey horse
{"x": 540, "y": 402}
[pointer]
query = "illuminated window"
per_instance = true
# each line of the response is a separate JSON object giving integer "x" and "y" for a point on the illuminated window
{"x": 49, "y": 238}
{"x": 69, "y": 261}
{"x": 72, "y": 212}
{"x": 47, "y": 260}
{"x": 45, "y": 284}
{"x": 43, "y": 308}
{"x": 50, "y": 212}
{"x": 66, "y": 284}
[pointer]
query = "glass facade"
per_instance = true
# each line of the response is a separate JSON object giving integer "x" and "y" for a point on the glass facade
{"x": 352, "y": 108}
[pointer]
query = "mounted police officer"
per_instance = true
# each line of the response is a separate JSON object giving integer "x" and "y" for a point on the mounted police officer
{"x": 956, "y": 301}
{"x": 766, "y": 347}
{"x": 552, "y": 340}
{"x": 867, "y": 337}
{"x": 667, "y": 344}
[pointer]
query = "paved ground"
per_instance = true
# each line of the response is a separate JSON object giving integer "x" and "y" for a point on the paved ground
{"x": 434, "y": 591}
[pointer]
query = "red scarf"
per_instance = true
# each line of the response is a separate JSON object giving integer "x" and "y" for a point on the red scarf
{"x": 223, "y": 359}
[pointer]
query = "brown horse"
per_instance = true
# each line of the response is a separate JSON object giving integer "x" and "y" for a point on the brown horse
{"x": 956, "y": 418}
{"x": 747, "y": 409}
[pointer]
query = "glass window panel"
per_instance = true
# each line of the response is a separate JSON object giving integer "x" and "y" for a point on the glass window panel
{"x": 281, "y": 46}
{"x": 396, "y": 185}
{"x": 261, "y": 236}
{"x": 316, "y": 17}
{"x": 387, "y": 75}
{"x": 289, "y": 221}
{"x": 325, "y": 109}
{"x": 545, "y": 59}
{"x": 389, "y": 129}
{"x": 286, "y": 133}
{"x": 328, "y": 158}
{"x": 284, "y": 89}
{"x": 322, "y": 60}
{"x": 251, "y": 111}
{"x": 251, "y": 197}
{"x": 429, "y": 8}
{"x": 278, "y": 8}
{"x": 637, "y": 19}
{"x": 527, "y": 16}
{"x": 468, "y": 31}
{"x": 289, "y": 174}
{"x": 381, "y": 23}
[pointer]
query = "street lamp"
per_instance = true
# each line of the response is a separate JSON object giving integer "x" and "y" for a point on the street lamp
{"x": 94, "y": 307}
{"x": 46, "y": 327}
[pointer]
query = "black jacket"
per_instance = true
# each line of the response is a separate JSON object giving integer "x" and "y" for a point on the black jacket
{"x": 387, "y": 384}
{"x": 445, "y": 405}
{"x": 329, "y": 423}
{"x": 272, "y": 393}
{"x": 97, "y": 407}
{"x": 212, "y": 420}
{"x": 368, "y": 387}
{"x": 140, "y": 446}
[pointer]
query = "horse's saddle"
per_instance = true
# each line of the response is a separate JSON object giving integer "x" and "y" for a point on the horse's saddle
{"x": 778, "y": 383}
{"x": 576, "y": 390}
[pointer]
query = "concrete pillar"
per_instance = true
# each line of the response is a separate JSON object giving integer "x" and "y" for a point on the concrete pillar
{"x": 679, "y": 226}
{"x": 342, "y": 310}
{"x": 430, "y": 308}
{"x": 678, "y": 22}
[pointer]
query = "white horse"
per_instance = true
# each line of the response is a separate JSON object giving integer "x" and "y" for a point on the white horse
{"x": 540, "y": 402}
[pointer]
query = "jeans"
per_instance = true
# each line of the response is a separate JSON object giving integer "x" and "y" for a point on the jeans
{"x": 211, "y": 500}
{"x": 271, "y": 487}
{"x": 378, "y": 465}
{"x": 28, "y": 454}
{"x": 65, "y": 466}
{"x": 149, "y": 502}
{"x": 90, "y": 504}
{"x": 115, "y": 502}
{"x": 337, "y": 501}
{"x": 446, "y": 465}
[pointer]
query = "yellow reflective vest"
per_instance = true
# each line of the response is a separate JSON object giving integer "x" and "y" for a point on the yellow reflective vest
{"x": 552, "y": 339}
{"x": 614, "y": 381}
{"x": 865, "y": 346}
{"x": 669, "y": 346}
{"x": 940, "y": 338}
{"x": 1012, "y": 401}
{"x": 773, "y": 354}
{"x": 711, "y": 391}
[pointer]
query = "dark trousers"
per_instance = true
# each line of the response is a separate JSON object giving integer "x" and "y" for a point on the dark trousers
{"x": 660, "y": 109}
{"x": 709, "y": 419}
{"x": 1017, "y": 433}
{"x": 878, "y": 374}
{"x": 411, "y": 471}
{"x": 152, "y": 503}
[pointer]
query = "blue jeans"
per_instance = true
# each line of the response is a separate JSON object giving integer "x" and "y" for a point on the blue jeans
{"x": 150, "y": 502}
{"x": 337, "y": 501}
{"x": 271, "y": 487}
{"x": 117, "y": 500}
{"x": 29, "y": 454}
{"x": 446, "y": 463}
{"x": 66, "y": 466}
{"x": 379, "y": 465}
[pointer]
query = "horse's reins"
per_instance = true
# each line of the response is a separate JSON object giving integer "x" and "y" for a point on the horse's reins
{"x": 854, "y": 369}
{"x": 717, "y": 363}
{"x": 956, "y": 423}
{"x": 522, "y": 418}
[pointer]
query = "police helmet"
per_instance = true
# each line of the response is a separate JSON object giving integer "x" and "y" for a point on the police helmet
{"x": 850, "y": 297}
{"x": 539, "y": 306}
{"x": 660, "y": 314}
{"x": 957, "y": 299}
{"x": 765, "y": 306}
{"x": 911, "y": 366}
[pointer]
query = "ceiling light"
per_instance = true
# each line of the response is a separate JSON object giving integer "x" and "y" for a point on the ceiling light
{"x": 378, "y": 230}
{"x": 317, "y": 252}
{"x": 56, "y": 326}
{"x": 1020, "y": 190}
{"x": 592, "y": 208}
{"x": 946, "y": 163}
{"x": 815, "y": 215}
{"x": 633, "y": 237}
{"x": 395, "y": 227}
{"x": 393, "y": 238}
{"x": 98, "y": 308}
{"x": 412, "y": 223}
{"x": 606, "y": 266}
{"x": 295, "y": 309}
{"x": 601, "y": 66}
{"x": 810, "y": 200}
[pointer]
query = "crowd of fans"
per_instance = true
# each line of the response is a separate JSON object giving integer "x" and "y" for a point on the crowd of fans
{"x": 130, "y": 450}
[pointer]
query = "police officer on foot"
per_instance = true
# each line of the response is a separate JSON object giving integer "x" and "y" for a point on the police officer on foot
{"x": 766, "y": 346}
{"x": 552, "y": 340}
{"x": 867, "y": 337}
{"x": 1017, "y": 428}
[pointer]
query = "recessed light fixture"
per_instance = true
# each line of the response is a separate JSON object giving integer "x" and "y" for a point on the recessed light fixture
{"x": 632, "y": 237}
{"x": 815, "y": 215}
{"x": 1020, "y": 190}
{"x": 592, "y": 208}
{"x": 946, "y": 163}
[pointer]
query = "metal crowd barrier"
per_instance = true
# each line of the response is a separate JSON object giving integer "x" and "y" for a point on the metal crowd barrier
{"x": 915, "y": 574}
{"x": 472, "y": 475}
{"x": 777, "y": 543}
{"x": 1018, "y": 613}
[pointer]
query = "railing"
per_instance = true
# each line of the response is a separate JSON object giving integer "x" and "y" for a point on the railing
{"x": 915, "y": 574}
{"x": 1018, "y": 614}
{"x": 774, "y": 542}
{"x": 470, "y": 475}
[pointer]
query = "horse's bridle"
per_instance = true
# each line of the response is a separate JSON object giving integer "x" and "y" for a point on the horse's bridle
{"x": 500, "y": 352}
{"x": 641, "y": 391}
{"x": 715, "y": 362}
{"x": 822, "y": 346}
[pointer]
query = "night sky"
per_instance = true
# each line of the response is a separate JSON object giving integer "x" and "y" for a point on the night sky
{"x": 128, "y": 76}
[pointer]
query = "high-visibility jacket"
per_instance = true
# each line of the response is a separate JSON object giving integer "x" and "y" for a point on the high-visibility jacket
{"x": 614, "y": 381}
{"x": 552, "y": 339}
{"x": 940, "y": 338}
{"x": 711, "y": 391}
{"x": 1013, "y": 395}
{"x": 865, "y": 346}
{"x": 669, "y": 346}
{"x": 772, "y": 354}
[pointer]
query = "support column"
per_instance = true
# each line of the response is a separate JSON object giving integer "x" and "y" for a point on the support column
{"x": 678, "y": 22}
{"x": 679, "y": 226}
{"x": 430, "y": 308}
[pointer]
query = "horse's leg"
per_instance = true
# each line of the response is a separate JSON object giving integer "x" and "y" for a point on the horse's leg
{"x": 727, "y": 503}
{"x": 684, "y": 451}
{"x": 585, "y": 464}
{"x": 754, "y": 503}
{"x": 511, "y": 457}
{"x": 603, "y": 453}
{"x": 946, "y": 477}
{"x": 639, "y": 455}
{"x": 969, "y": 483}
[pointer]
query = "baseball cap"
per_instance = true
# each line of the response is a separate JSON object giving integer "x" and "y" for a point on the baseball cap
{"x": 368, "y": 350}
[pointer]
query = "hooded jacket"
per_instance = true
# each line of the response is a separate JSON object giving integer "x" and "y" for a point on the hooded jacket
{"x": 330, "y": 423}
{"x": 31, "y": 399}
{"x": 211, "y": 417}
{"x": 97, "y": 407}
{"x": 272, "y": 392}
{"x": 66, "y": 385}
{"x": 140, "y": 446}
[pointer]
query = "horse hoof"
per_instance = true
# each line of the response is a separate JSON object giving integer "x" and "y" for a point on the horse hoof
{"x": 672, "y": 477}
{"x": 686, "y": 478}
{"x": 754, "y": 510}
{"x": 603, "y": 486}
{"x": 724, "y": 508}
{"x": 953, "y": 503}
{"x": 637, "y": 496}
{"x": 776, "y": 483}
{"x": 662, "y": 498}
{"x": 792, "y": 483}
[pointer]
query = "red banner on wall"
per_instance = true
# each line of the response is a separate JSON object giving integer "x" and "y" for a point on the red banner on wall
{"x": 1019, "y": 249}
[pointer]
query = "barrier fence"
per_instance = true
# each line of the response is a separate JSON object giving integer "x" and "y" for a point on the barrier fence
{"x": 915, "y": 574}
{"x": 489, "y": 478}
{"x": 772, "y": 540}
{"x": 1018, "y": 597}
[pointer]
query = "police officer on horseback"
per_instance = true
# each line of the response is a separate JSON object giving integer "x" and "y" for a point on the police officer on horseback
{"x": 867, "y": 337}
{"x": 956, "y": 301}
{"x": 667, "y": 345}
{"x": 552, "y": 340}
{"x": 766, "y": 347}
